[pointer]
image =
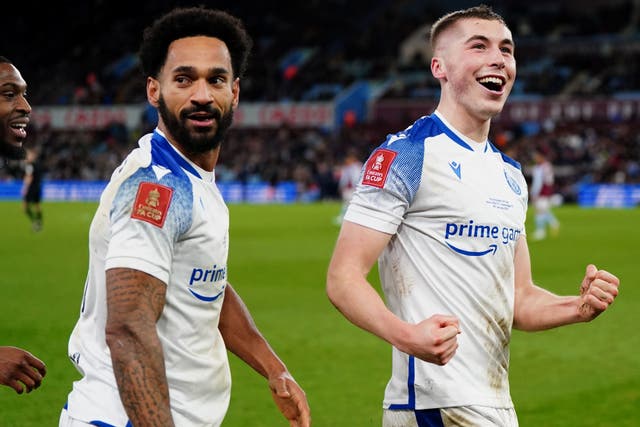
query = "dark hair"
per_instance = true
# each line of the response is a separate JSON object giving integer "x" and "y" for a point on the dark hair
{"x": 4, "y": 60}
{"x": 191, "y": 22}
{"x": 481, "y": 12}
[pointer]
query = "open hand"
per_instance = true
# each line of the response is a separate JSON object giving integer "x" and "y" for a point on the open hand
{"x": 291, "y": 400}
{"x": 20, "y": 370}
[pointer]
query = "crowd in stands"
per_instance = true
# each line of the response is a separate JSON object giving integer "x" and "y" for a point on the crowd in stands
{"x": 582, "y": 152}
{"x": 313, "y": 50}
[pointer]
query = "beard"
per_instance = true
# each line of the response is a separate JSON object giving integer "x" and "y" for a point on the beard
{"x": 195, "y": 141}
{"x": 11, "y": 152}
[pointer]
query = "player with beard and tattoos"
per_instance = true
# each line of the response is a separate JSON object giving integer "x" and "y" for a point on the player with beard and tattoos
{"x": 158, "y": 314}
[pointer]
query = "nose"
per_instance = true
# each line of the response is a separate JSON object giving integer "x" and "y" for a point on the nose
{"x": 497, "y": 59}
{"x": 201, "y": 93}
{"x": 23, "y": 105}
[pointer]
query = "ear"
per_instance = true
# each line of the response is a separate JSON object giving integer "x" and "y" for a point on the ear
{"x": 438, "y": 68}
{"x": 153, "y": 91}
{"x": 235, "y": 89}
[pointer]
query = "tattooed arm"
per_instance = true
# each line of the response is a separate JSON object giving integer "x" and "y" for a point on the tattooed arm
{"x": 134, "y": 303}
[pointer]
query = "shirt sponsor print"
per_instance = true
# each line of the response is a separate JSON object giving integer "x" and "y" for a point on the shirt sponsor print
{"x": 464, "y": 233}
{"x": 208, "y": 280}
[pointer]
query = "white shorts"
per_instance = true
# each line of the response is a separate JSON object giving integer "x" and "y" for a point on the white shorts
{"x": 477, "y": 416}
{"x": 67, "y": 421}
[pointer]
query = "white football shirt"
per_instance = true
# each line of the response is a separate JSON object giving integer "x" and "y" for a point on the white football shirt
{"x": 455, "y": 208}
{"x": 163, "y": 215}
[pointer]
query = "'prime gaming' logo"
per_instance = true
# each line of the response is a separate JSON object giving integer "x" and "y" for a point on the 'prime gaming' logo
{"x": 204, "y": 281}
{"x": 477, "y": 234}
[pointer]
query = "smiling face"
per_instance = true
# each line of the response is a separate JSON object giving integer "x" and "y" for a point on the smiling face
{"x": 14, "y": 111}
{"x": 474, "y": 61}
{"x": 195, "y": 94}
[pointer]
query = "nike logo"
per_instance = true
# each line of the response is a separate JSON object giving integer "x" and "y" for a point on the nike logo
{"x": 455, "y": 167}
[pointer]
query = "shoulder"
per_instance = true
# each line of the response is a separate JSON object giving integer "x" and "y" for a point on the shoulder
{"x": 396, "y": 164}
{"x": 145, "y": 181}
{"x": 413, "y": 136}
{"x": 506, "y": 159}
{"x": 406, "y": 146}
{"x": 511, "y": 162}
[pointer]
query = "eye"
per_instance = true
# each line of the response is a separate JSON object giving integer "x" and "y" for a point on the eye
{"x": 217, "y": 80}
{"x": 478, "y": 46}
{"x": 182, "y": 80}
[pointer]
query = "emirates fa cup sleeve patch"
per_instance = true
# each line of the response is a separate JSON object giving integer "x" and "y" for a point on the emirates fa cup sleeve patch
{"x": 152, "y": 203}
{"x": 377, "y": 168}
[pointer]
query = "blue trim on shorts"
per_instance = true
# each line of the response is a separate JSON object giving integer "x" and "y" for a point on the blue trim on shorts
{"x": 429, "y": 418}
{"x": 411, "y": 390}
{"x": 96, "y": 423}
{"x": 101, "y": 424}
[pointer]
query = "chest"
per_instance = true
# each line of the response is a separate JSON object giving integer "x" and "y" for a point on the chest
{"x": 464, "y": 184}
{"x": 199, "y": 262}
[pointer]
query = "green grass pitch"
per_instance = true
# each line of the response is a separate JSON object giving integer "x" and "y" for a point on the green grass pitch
{"x": 580, "y": 375}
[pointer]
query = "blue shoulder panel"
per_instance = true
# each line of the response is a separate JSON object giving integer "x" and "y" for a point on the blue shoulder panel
{"x": 179, "y": 216}
{"x": 506, "y": 158}
{"x": 164, "y": 155}
{"x": 406, "y": 170}
{"x": 444, "y": 129}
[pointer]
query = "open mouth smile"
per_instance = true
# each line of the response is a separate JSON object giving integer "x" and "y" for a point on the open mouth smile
{"x": 493, "y": 83}
{"x": 19, "y": 129}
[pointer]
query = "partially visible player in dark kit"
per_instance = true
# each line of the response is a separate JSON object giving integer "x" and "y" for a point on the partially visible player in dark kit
{"x": 19, "y": 369}
{"x": 32, "y": 189}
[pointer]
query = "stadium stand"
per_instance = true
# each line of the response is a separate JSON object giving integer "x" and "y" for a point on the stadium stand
{"x": 316, "y": 51}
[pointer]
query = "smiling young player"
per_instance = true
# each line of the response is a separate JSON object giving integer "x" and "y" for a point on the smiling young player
{"x": 443, "y": 212}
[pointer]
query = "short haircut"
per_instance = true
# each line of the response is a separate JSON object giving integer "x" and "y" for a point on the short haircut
{"x": 481, "y": 12}
{"x": 192, "y": 22}
{"x": 5, "y": 60}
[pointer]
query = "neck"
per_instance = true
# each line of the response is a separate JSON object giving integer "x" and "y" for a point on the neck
{"x": 206, "y": 160}
{"x": 471, "y": 126}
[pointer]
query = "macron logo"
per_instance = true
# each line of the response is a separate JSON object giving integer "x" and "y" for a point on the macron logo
{"x": 455, "y": 167}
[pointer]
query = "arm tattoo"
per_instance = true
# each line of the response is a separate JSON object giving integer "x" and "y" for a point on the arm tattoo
{"x": 135, "y": 301}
